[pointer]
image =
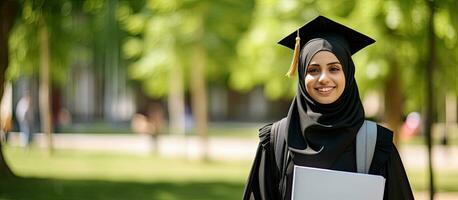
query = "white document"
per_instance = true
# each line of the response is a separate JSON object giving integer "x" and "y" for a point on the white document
{"x": 322, "y": 184}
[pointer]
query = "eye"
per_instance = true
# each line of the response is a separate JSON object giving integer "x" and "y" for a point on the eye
{"x": 334, "y": 68}
{"x": 312, "y": 70}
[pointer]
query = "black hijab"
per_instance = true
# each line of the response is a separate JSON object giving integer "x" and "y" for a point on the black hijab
{"x": 319, "y": 133}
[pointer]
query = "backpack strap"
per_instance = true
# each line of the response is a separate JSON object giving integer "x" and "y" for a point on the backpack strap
{"x": 278, "y": 141}
{"x": 365, "y": 146}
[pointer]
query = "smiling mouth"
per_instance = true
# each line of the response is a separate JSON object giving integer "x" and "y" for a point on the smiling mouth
{"x": 325, "y": 90}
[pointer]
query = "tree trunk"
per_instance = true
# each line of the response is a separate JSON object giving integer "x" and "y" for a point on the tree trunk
{"x": 450, "y": 115}
{"x": 44, "y": 91}
{"x": 8, "y": 9}
{"x": 199, "y": 98}
{"x": 176, "y": 101}
{"x": 393, "y": 101}
{"x": 429, "y": 92}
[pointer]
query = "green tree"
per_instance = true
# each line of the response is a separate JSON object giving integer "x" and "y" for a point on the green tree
{"x": 27, "y": 51}
{"x": 44, "y": 35}
{"x": 8, "y": 10}
{"x": 35, "y": 50}
{"x": 197, "y": 37}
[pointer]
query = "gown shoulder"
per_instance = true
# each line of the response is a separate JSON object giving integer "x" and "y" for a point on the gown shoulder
{"x": 262, "y": 181}
{"x": 264, "y": 134}
{"x": 273, "y": 132}
{"x": 383, "y": 149}
{"x": 387, "y": 162}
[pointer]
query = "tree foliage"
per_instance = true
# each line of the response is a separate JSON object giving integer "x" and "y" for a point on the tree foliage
{"x": 24, "y": 42}
{"x": 238, "y": 38}
{"x": 164, "y": 34}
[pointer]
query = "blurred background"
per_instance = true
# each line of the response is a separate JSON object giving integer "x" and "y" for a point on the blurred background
{"x": 162, "y": 99}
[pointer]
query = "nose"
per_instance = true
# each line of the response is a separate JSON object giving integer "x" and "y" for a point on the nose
{"x": 323, "y": 78}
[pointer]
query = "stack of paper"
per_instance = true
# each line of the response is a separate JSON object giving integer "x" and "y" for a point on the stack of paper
{"x": 321, "y": 184}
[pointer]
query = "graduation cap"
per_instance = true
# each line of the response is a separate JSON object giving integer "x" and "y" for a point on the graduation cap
{"x": 320, "y": 26}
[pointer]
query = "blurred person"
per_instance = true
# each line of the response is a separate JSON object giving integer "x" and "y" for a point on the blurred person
{"x": 24, "y": 115}
{"x": 6, "y": 105}
{"x": 65, "y": 117}
{"x": 411, "y": 126}
{"x": 150, "y": 124}
{"x": 189, "y": 120}
{"x": 156, "y": 119}
{"x": 324, "y": 120}
{"x": 139, "y": 124}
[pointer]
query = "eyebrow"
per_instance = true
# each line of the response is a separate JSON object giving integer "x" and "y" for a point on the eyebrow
{"x": 331, "y": 63}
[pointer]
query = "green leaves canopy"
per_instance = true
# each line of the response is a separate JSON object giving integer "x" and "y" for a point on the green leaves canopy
{"x": 165, "y": 33}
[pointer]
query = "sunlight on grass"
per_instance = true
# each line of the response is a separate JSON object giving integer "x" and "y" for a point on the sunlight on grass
{"x": 111, "y": 166}
{"x": 445, "y": 180}
{"x": 89, "y": 175}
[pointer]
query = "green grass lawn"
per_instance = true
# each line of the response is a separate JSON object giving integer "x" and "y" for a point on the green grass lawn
{"x": 89, "y": 175}
{"x": 445, "y": 181}
{"x": 86, "y": 175}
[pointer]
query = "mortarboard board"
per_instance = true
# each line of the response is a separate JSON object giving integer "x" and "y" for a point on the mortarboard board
{"x": 321, "y": 26}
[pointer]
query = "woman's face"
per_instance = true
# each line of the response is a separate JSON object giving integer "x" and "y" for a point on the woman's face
{"x": 324, "y": 78}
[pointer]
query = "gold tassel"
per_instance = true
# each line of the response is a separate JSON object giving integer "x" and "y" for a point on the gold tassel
{"x": 293, "y": 67}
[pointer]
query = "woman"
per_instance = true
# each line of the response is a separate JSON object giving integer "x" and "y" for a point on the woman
{"x": 324, "y": 118}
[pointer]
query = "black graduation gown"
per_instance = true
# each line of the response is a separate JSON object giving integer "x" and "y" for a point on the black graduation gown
{"x": 265, "y": 176}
